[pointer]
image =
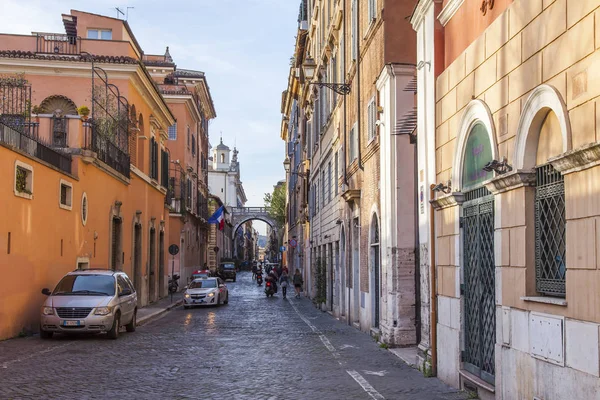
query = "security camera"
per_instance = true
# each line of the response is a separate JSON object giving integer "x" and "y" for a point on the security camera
{"x": 379, "y": 122}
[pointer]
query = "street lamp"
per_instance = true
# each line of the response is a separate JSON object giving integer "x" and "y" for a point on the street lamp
{"x": 309, "y": 67}
{"x": 287, "y": 165}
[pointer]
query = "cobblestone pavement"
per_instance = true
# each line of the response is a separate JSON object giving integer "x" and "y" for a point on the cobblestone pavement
{"x": 254, "y": 348}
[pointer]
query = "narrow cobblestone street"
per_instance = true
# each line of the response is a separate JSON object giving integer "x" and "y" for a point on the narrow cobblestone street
{"x": 253, "y": 348}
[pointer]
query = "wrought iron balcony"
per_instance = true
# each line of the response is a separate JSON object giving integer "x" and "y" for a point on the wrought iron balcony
{"x": 56, "y": 43}
{"x": 17, "y": 130}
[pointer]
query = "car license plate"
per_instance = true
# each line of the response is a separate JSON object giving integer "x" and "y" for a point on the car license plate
{"x": 198, "y": 301}
{"x": 72, "y": 323}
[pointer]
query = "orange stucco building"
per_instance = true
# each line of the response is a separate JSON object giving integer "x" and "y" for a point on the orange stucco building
{"x": 188, "y": 96}
{"x": 89, "y": 188}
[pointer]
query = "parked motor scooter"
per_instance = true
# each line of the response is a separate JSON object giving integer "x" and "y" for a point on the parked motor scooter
{"x": 269, "y": 289}
{"x": 174, "y": 283}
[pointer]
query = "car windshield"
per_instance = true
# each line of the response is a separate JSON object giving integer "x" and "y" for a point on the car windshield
{"x": 92, "y": 285}
{"x": 228, "y": 266}
{"x": 203, "y": 284}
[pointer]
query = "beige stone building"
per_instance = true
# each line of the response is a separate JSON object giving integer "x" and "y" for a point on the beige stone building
{"x": 514, "y": 165}
{"x": 347, "y": 52}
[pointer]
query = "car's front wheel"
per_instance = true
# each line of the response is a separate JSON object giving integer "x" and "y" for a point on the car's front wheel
{"x": 46, "y": 334}
{"x": 130, "y": 327}
{"x": 114, "y": 331}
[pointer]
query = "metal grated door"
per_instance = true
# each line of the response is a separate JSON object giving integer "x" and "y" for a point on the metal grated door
{"x": 479, "y": 277}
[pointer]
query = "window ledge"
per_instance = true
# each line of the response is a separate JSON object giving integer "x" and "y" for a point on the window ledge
{"x": 546, "y": 300}
{"x": 24, "y": 195}
{"x": 477, "y": 380}
{"x": 65, "y": 207}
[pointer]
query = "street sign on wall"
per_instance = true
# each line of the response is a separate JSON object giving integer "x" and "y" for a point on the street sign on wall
{"x": 173, "y": 249}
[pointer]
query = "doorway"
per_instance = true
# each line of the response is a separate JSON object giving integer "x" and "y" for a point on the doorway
{"x": 137, "y": 259}
{"x": 479, "y": 284}
{"x": 375, "y": 265}
{"x": 356, "y": 270}
{"x": 152, "y": 297}
{"x": 161, "y": 264}
{"x": 115, "y": 247}
{"x": 342, "y": 266}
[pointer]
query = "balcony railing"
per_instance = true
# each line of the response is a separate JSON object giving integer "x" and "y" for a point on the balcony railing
{"x": 29, "y": 142}
{"x": 55, "y": 43}
{"x": 17, "y": 130}
{"x": 107, "y": 151}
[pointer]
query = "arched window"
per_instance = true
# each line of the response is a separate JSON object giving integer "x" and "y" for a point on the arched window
{"x": 222, "y": 158}
{"x": 545, "y": 132}
{"x": 478, "y": 152}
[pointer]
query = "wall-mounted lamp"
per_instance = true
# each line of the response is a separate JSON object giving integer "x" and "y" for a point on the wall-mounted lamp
{"x": 309, "y": 67}
{"x": 421, "y": 64}
{"x": 499, "y": 167}
{"x": 287, "y": 165}
{"x": 440, "y": 187}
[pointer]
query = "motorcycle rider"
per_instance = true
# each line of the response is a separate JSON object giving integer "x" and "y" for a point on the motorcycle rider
{"x": 273, "y": 278}
{"x": 284, "y": 281}
{"x": 259, "y": 277}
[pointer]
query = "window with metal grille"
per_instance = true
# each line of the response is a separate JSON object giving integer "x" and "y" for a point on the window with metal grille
{"x": 173, "y": 132}
{"x": 550, "y": 267}
{"x": 193, "y": 146}
{"x": 59, "y": 131}
{"x": 188, "y": 137}
{"x": 66, "y": 194}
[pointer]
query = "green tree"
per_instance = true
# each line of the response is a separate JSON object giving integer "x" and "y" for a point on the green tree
{"x": 276, "y": 202}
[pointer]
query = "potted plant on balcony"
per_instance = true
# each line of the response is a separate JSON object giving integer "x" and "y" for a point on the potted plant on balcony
{"x": 83, "y": 112}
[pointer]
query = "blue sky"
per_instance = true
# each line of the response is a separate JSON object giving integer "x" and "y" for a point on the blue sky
{"x": 243, "y": 46}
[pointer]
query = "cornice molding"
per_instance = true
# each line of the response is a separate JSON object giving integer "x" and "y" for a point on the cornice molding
{"x": 450, "y": 200}
{"x": 510, "y": 181}
{"x": 419, "y": 14}
{"x": 352, "y": 196}
{"x": 448, "y": 12}
{"x": 584, "y": 157}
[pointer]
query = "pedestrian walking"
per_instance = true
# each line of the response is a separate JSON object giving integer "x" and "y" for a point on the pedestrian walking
{"x": 283, "y": 281}
{"x": 298, "y": 282}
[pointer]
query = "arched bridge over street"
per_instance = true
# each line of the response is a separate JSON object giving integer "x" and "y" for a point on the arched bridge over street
{"x": 241, "y": 215}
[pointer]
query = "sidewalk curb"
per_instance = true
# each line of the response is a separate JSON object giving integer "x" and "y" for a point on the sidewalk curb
{"x": 150, "y": 317}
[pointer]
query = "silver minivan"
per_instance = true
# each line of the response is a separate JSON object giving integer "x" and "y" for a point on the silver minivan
{"x": 90, "y": 301}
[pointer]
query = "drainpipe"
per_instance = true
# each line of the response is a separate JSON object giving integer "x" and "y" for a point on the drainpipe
{"x": 344, "y": 97}
{"x": 432, "y": 286}
{"x": 358, "y": 113}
